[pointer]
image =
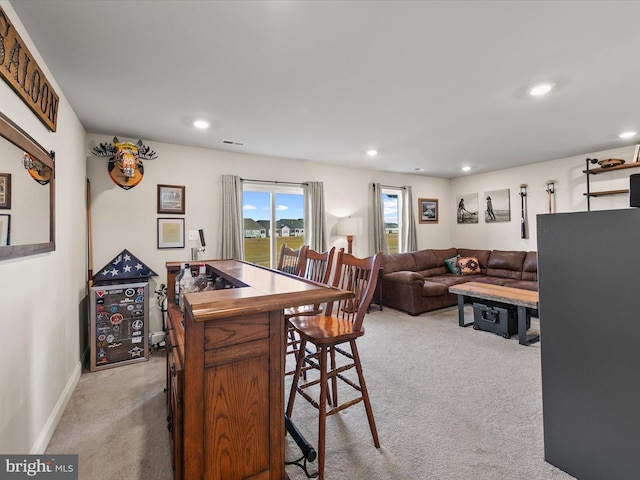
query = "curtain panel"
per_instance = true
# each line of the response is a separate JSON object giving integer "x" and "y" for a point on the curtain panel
{"x": 315, "y": 228}
{"x": 377, "y": 235}
{"x": 231, "y": 216}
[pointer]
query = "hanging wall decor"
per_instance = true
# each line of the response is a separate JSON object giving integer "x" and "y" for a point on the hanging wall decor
{"x": 23, "y": 74}
{"x": 467, "y": 208}
{"x": 498, "y": 206}
{"x": 40, "y": 172}
{"x": 125, "y": 164}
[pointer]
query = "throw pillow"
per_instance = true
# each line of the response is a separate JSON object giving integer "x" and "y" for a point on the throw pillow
{"x": 469, "y": 265}
{"x": 452, "y": 265}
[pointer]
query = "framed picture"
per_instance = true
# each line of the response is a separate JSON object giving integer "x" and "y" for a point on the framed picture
{"x": 5, "y": 230}
{"x": 5, "y": 190}
{"x": 498, "y": 206}
{"x": 428, "y": 208}
{"x": 170, "y": 232}
{"x": 171, "y": 199}
{"x": 467, "y": 208}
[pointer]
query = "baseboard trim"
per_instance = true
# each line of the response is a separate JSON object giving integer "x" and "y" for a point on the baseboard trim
{"x": 47, "y": 431}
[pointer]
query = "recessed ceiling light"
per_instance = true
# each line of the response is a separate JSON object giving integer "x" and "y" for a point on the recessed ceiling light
{"x": 372, "y": 152}
{"x": 541, "y": 89}
{"x": 628, "y": 134}
{"x": 419, "y": 169}
{"x": 466, "y": 168}
{"x": 201, "y": 124}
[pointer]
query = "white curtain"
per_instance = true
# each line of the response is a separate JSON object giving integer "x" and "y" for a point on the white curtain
{"x": 232, "y": 223}
{"x": 315, "y": 228}
{"x": 377, "y": 235}
{"x": 409, "y": 239}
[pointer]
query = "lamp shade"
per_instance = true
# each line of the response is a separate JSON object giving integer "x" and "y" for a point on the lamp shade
{"x": 349, "y": 226}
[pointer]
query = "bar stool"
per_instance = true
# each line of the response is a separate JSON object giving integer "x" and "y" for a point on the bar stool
{"x": 335, "y": 332}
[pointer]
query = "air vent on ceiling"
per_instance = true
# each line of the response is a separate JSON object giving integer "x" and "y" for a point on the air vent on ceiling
{"x": 231, "y": 142}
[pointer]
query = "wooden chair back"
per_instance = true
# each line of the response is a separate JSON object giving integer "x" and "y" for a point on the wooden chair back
{"x": 292, "y": 261}
{"x": 359, "y": 275}
{"x": 318, "y": 265}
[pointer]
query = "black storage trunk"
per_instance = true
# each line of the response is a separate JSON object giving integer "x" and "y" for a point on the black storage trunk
{"x": 495, "y": 318}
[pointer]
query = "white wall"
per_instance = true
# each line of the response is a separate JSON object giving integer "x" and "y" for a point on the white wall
{"x": 40, "y": 296}
{"x": 570, "y": 186}
{"x": 127, "y": 218}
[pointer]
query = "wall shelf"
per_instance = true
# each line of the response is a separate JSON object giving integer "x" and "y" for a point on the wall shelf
{"x": 588, "y": 171}
{"x": 595, "y": 171}
{"x": 606, "y": 192}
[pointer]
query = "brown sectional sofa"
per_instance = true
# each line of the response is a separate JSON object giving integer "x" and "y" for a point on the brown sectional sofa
{"x": 418, "y": 282}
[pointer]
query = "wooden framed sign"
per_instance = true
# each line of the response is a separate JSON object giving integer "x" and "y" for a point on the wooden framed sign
{"x": 20, "y": 70}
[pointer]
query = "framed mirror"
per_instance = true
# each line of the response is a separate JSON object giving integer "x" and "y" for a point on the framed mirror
{"x": 27, "y": 183}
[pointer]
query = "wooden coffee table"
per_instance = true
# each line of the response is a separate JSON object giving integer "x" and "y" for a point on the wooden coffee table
{"x": 525, "y": 300}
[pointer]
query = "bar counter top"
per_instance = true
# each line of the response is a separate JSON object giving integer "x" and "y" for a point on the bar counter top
{"x": 258, "y": 289}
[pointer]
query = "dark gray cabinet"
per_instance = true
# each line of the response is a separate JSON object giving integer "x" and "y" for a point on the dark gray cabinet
{"x": 589, "y": 286}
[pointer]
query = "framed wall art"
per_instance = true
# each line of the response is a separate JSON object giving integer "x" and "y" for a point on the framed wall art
{"x": 5, "y": 190}
{"x": 171, "y": 199}
{"x": 170, "y": 232}
{"x": 428, "y": 208}
{"x": 5, "y": 230}
{"x": 467, "y": 208}
{"x": 498, "y": 206}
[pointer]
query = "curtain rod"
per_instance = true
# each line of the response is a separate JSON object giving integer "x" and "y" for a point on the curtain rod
{"x": 391, "y": 186}
{"x": 274, "y": 182}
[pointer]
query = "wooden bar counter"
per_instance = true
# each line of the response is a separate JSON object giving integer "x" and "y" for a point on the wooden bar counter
{"x": 225, "y": 369}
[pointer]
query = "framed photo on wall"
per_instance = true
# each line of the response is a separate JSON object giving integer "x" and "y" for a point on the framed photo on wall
{"x": 498, "y": 206}
{"x": 170, "y": 232}
{"x": 5, "y": 190}
{"x": 5, "y": 230}
{"x": 467, "y": 208}
{"x": 428, "y": 208}
{"x": 171, "y": 199}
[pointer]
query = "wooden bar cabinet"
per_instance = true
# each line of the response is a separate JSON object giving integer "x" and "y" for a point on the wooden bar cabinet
{"x": 225, "y": 367}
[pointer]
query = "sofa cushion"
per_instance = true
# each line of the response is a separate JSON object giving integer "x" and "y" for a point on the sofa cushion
{"x": 425, "y": 260}
{"x": 398, "y": 261}
{"x": 434, "y": 289}
{"x": 481, "y": 255}
{"x": 506, "y": 264}
{"x": 452, "y": 265}
{"x": 404, "y": 276}
{"x": 436, "y": 265}
{"x": 469, "y": 265}
{"x": 530, "y": 267}
{"x": 449, "y": 279}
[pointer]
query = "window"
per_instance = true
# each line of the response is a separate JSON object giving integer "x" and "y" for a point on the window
{"x": 393, "y": 215}
{"x": 273, "y": 214}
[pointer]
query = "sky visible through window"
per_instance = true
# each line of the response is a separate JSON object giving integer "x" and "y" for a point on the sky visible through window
{"x": 256, "y": 206}
{"x": 288, "y": 205}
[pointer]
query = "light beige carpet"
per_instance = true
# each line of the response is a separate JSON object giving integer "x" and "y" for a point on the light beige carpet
{"x": 450, "y": 403}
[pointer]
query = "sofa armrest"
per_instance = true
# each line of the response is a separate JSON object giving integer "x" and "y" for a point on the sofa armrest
{"x": 404, "y": 276}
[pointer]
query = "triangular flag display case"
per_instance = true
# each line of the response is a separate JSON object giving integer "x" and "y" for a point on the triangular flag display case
{"x": 119, "y": 313}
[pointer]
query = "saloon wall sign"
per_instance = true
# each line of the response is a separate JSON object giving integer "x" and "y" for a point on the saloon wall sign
{"x": 125, "y": 167}
{"x": 19, "y": 69}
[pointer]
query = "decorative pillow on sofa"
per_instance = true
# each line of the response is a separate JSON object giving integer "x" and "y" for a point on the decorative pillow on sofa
{"x": 452, "y": 264}
{"x": 469, "y": 265}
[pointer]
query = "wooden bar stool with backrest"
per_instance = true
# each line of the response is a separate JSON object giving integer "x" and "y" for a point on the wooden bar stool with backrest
{"x": 331, "y": 333}
{"x": 292, "y": 261}
{"x": 317, "y": 269}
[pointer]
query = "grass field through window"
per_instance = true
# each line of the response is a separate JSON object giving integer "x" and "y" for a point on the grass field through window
{"x": 256, "y": 250}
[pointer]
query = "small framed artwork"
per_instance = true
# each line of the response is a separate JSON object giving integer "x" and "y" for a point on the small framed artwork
{"x": 170, "y": 232}
{"x": 171, "y": 199}
{"x": 5, "y": 190}
{"x": 428, "y": 208}
{"x": 5, "y": 230}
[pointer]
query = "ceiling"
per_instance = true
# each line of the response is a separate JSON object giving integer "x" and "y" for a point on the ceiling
{"x": 431, "y": 85}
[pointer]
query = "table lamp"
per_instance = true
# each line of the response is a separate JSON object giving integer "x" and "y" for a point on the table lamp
{"x": 349, "y": 226}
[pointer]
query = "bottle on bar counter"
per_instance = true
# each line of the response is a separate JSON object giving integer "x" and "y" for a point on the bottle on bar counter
{"x": 201, "y": 279}
{"x": 176, "y": 287}
{"x": 186, "y": 284}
